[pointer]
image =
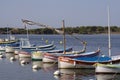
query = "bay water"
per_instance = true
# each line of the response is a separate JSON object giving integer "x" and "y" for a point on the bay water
{"x": 13, "y": 70}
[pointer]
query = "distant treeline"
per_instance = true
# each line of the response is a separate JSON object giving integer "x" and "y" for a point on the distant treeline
{"x": 68, "y": 30}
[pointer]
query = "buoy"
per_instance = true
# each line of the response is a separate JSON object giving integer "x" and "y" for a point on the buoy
{"x": 61, "y": 42}
{"x": 42, "y": 38}
{"x": 1, "y": 56}
{"x": 35, "y": 67}
{"x": 22, "y": 62}
{"x": 57, "y": 73}
{"x": 56, "y": 77}
{"x": 16, "y": 52}
{"x": 46, "y": 41}
{"x": 12, "y": 59}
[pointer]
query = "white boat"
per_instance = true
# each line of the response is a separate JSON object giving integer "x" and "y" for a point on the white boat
{"x": 10, "y": 40}
{"x": 37, "y": 55}
{"x": 108, "y": 68}
{"x": 24, "y": 54}
{"x": 10, "y": 57}
{"x": 9, "y": 49}
{"x": 88, "y": 62}
{"x": 26, "y": 45}
{"x": 2, "y": 49}
{"x": 44, "y": 48}
{"x": 52, "y": 56}
{"x": 68, "y": 49}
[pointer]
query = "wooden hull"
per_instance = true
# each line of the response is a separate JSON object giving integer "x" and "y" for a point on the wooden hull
{"x": 9, "y": 50}
{"x": 29, "y": 47}
{"x": 37, "y": 56}
{"x": 65, "y": 62}
{"x": 50, "y": 58}
{"x": 24, "y": 54}
{"x": 53, "y": 57}
{"x": 2, "y": 49}
{"x": 36, "y": 59}
{"x": 61, "y": 50}
{"x": 108, "y": 68}
{"x": 46, "y": 46}
{"x": 8, "y": 56}
{"x": 8, "y": 42}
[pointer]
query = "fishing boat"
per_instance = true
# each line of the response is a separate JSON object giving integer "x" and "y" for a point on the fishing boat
{"x": 86, "y": 61}
{"x": 24, "y": 54}
{"x": 2, "y": 49}
{"x": 48, "y": 48}
{"x": 108, "y": 68}
{"x": 60, "y": 50}
{"x": 41, "y": 47}
{"x": 46, "y": 59}
{"x": 9, "y": 40}
{"x": 52, "y": 56}
{"x": 37, "y": 55}
{"x": 9, "y": 49}
{"x": 26, "y": 45}
{"x": 10, "y": 57}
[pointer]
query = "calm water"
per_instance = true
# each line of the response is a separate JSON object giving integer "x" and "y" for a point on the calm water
{"x": 13, "y": 70}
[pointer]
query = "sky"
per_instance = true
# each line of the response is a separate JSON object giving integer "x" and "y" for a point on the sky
{"x": 52, "y": 12}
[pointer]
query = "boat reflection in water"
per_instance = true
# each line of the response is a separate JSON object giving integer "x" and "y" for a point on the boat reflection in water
{"x": 36, "y": 65}
{"x": 10, "y": 56}
{"x": 24, "y": 61}
{"x": 107, "y": 76}
{"x": 75, "y": 74}
{"x": 49, "y": 67}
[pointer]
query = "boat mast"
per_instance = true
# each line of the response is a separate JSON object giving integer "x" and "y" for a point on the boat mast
{"x": 26, "y": 30}
{"x": 7, "y": 33}
{"x": 64, "y": 40}
{"x": 109, "y": 34}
